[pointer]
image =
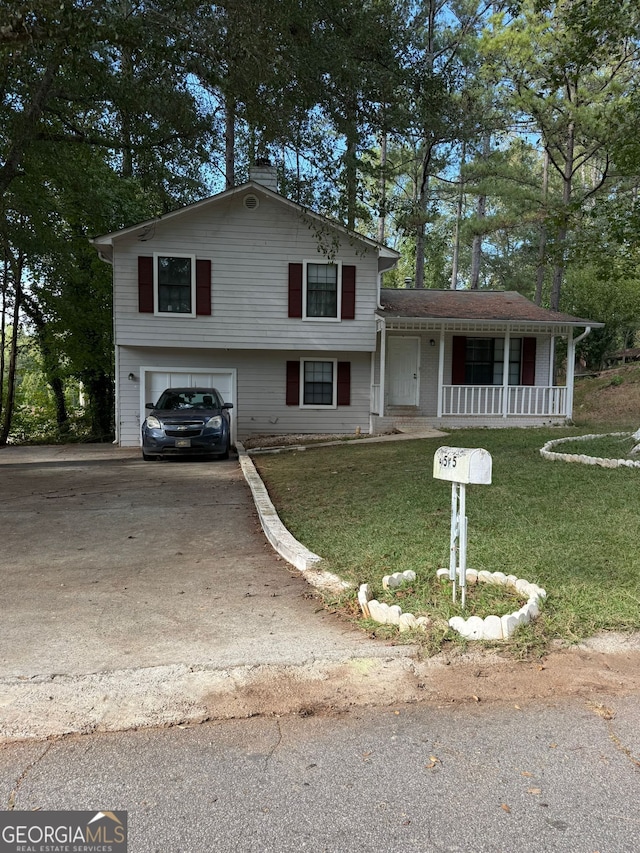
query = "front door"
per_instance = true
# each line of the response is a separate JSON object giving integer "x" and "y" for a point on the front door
{"x": 403, "y": 360}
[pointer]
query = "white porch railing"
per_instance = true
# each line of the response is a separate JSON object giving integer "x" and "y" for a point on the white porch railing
{"x": 522, "y": 400}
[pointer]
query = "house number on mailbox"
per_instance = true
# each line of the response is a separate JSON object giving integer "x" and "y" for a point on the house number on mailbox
{"x": 460, "y": 465}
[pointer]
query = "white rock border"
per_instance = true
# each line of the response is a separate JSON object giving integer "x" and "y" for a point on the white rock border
{"x": 547, "y": 453}
{"x": 473, "y": 628}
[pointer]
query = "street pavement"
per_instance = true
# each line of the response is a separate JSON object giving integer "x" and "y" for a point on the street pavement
{"x": 156, "y": 656}
{"x": 558, "y": 777}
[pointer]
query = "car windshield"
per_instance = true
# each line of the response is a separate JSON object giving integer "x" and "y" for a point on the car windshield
{"x": 171, "y": 400}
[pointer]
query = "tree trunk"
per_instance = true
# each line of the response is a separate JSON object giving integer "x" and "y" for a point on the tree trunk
{"x": 99, "y": 388}
{"x": 351, "y": 167}
{"x": 423, "y": 194}
{"x": 50, "y": 364}
{"x": 542, "y": 244}
{"x": 481, "y": 210}
{"x": 382, "y": 212}
{"x": 5, "y": 429}
{"x": 3, "y": 326}
{"x": 230, "y": 143}
{"x": 558, "y": 270}
{"x": 421, "y": 208}
{"x": 456, "y": 240}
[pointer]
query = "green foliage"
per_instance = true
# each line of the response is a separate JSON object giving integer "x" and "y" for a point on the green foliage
{"x": 114, "y": 112}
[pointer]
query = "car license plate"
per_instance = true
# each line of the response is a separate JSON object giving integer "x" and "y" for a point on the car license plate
{"x": 183, "y": 442}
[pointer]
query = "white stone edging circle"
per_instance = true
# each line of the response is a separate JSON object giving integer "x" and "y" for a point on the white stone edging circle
{"x": 473, "y": 628}
{"x": 547, "y": 453}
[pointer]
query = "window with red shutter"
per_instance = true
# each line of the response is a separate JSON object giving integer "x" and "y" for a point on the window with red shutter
{"x": 174, "y": 284}
{"x": 480, "y": 361}
{"x": 293, "y": 383}
{"x": 203, "y": 287}
{"x": 344, "y": 383}
{"x": 529, "y": 361}
{"x": 322, "y": 291}
{"x": 348, "y": 311}
{"x": 458, "y": 360}
{"x": 295, "y": 290}
{"x": 145, "y": 284}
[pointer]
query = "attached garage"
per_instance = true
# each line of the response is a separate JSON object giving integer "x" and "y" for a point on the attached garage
{"x": 154, "y": 380}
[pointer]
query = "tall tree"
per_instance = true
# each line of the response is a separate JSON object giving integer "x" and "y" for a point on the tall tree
{"x": 568, "y": 67}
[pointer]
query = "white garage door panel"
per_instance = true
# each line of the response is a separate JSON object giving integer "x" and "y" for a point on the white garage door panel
{"x": 156, "y": 379}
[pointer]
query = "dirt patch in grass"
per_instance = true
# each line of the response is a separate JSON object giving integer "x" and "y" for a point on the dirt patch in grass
{"x": 255, "y": 442}
{"x": 612, "y": 397}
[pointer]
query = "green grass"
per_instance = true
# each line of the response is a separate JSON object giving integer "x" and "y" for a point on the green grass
{"x": 372, "y": 510}
{"x": 602, "y": 446}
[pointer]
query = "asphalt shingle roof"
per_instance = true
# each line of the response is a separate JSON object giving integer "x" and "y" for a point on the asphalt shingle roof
{"x": 469, "y": 305}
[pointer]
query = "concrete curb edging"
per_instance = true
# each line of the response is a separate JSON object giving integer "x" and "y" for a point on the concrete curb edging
{"x": 497, "y": 627}
{"x": 278, "y": 535}
{"x": 473, "y": 628}
{"x": 547, "y": 453}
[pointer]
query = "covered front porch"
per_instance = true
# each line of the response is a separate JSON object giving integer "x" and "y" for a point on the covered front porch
{"x": 469, "y": 374}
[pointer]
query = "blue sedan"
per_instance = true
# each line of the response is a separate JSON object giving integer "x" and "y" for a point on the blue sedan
{"x": 187, "y": 422}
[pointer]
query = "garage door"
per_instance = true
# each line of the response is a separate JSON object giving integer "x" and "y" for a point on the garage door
{"x": 156, "y": 379}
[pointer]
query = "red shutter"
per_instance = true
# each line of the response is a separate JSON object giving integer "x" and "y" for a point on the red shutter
{"x": 348, "y": 307}
{"x": 295, "y": 290}
{"x": 344, "y": 383}
{"x": 145, "y": 284}
{"x": 529, "y": 361}
{"x": 203, "y": 287}
{"x": 458, "y": 360}
{"x": 293, "y": 383}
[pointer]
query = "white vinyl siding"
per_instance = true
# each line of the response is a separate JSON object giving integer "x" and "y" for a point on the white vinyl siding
{"x": 250, "y": 252}
{"x": 260, "y": 404}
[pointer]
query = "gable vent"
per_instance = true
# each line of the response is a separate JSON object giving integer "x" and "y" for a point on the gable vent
{"x": 251, "y": 202}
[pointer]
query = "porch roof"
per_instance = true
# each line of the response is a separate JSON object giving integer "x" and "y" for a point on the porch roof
{"x": 473, "y": 305}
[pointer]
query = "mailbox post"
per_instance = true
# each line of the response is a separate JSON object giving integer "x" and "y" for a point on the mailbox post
{"x": 460, "y": 466}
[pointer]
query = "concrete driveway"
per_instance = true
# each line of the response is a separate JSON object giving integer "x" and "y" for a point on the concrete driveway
{"x": 134, "y": 592}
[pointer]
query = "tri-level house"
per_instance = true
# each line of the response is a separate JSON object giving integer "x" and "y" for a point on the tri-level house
{"x": 283, "y": 312}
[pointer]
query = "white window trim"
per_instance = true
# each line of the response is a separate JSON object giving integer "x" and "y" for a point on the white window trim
{"x": 334, "y": 392}
{"x": 156, "y": 294}
{"x": 336, "y": 319}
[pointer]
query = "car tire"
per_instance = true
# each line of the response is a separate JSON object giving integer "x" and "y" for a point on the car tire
{"x": 148, "y": 458}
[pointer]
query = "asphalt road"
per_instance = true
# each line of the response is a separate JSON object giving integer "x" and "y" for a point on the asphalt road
{"x": 556, "y": 776}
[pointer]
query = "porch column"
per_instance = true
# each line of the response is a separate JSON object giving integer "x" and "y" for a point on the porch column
{"x": 383, "y": 365}
{"x": 440, "y": 372}
{"x": 571, "y": 366}
{"x": 505, "y": 374}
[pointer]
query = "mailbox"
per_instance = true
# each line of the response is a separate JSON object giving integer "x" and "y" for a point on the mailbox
{"x": 462, "y": 465}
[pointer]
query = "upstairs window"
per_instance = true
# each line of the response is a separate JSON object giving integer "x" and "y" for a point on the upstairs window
{"x": 322, "y": 291}
{"x": 175, "y": 284}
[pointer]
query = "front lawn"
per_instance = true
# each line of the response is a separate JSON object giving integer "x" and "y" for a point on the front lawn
{"x": 375, "y": 509}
